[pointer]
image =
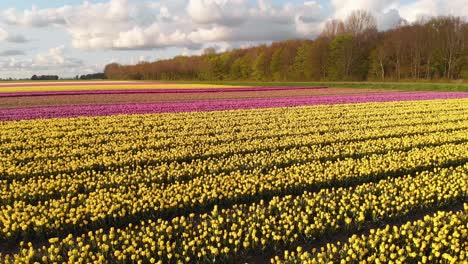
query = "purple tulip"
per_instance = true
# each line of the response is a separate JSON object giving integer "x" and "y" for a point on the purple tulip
{"x": 214, "y": 105}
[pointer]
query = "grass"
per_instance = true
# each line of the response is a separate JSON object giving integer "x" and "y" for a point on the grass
{"x": 407, "y": 86}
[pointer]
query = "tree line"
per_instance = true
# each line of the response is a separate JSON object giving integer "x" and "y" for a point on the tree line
{"x": 44, "y": 77}
{"x": 347, "y": 50}
{"x": 92, "y": 76}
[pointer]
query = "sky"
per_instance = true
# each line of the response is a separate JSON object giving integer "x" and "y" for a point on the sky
{"x": 71, "y": 37}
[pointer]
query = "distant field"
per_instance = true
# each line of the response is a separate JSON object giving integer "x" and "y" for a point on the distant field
{"x": 72, "y": 99}
{"x": 135, "y": 172}
{"x": 146, "y": 96}
{"x": 103, "y": 85}
{"x": 411, "y": 86}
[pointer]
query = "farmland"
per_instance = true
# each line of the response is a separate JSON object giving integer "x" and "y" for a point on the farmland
{"x": 123, "y": 172}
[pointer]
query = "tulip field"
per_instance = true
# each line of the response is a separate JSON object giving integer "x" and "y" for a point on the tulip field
{"x": 135, "y": 172}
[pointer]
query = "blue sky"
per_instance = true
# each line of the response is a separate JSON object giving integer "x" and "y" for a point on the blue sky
{"x": 70, "y": 37}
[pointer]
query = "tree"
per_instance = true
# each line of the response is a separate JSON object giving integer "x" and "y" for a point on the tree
{"x": 302, "y": 62}
{"x": 240, "y": 69}
{"x": 319, "y": 58}
{"x": 113, "y": 71}
{"x": 333, "y": 28}
{"x": 276, "y": 66}
{"x": 352, "y": 49}
{"x": 380, "y": 61}
{"x": 209, "y": 51}
{"x": 363, "y": 27}
{"x": 341, "y": 58}
{"x": 450, "y": 44}
{"x": 359, "y": 22}
{"x": 259, "y": 67}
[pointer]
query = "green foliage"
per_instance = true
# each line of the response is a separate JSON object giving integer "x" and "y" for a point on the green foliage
{"x": 302, "y": 67}
{"x": 260, "y": 67}
{"x": 240, "y": 69}
{"x": 276, "y": 64}
{"x": 436, "y": 49}
{"x": 406, "y": 86}
{"x": 340, "y": 59}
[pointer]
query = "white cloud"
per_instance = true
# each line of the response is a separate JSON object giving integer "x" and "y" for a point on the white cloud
{"x": 9, "y": 53}
{"x": 43, "y": 63}
{"x": 17, "y": 38}
{"x": 424, "y": 8}
{"x": 150, "y": 37}
{"x": 390, "y": 12}
{"x": 192, "y": 24}
{"x": 344, "y": 7}
{"x": 204, "y": 11}
{"x": 417, "y": 9}
{"x": 389, "y": 19}
{"x": 265, "y": 22}
{"x": 122, "y": 24}
{"x": 227, "y": 12}
{"x": 36, "y": 17}
{"x": 3, "y": 34}
{"x": 384, "y": 11}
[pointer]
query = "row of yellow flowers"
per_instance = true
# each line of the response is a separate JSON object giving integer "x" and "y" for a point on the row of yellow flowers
{"x": 75, "y": 175}
{"x": 163, "y": 161}
{"x": 439, "y": 238}
{"x": 110, "y": 86}
{"x": 85, "y": 193}
{"x": 34, "y": 189}
{"x": 228, "y": 125}
{"x": 224, "y": 234}
{"x": 121, "y": 202}
{"x": 148, "y": 148}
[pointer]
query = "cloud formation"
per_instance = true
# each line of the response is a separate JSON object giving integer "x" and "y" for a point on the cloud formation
{"x": 3, "y": 34}
{"x": 182, "y": 26}
{"x": 7, "y": 53}
{"x": 124, "y": 24}
{"x": 424, "y": 8}
{"x": 36, "y": 17}
{"x": 51, "y": 61}
{"x": 121, "y": 24}
{"x": 390, "y": 12}
{"x": 16, "y": 38}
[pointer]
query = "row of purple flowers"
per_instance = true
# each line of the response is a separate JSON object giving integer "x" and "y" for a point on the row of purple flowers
{"x": 214, "y": 105}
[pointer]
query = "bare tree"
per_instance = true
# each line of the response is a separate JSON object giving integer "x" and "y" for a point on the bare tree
{"x": 359, "y": 22}
{"x": 333, "y": 28}
{"x": 209, "y": 51}
{"x": 381, "y": 54}
{"x": 452, "y": 30}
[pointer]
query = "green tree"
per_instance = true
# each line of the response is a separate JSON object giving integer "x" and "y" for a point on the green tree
{"x": 302, "y": 67}
{"x": 259, "y": 67}
{"x": 341, "y": 58}
{"x": 276, "y": 64}
{"x": 240, "y": 69}
{"x": 319, "y": 57}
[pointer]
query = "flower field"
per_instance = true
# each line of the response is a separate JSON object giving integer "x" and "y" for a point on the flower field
{"x": 45, "y": 100}
{"x": 17, "y": 88}
{"x": 326, "y": 175}
{"x": 154, "y": 96}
